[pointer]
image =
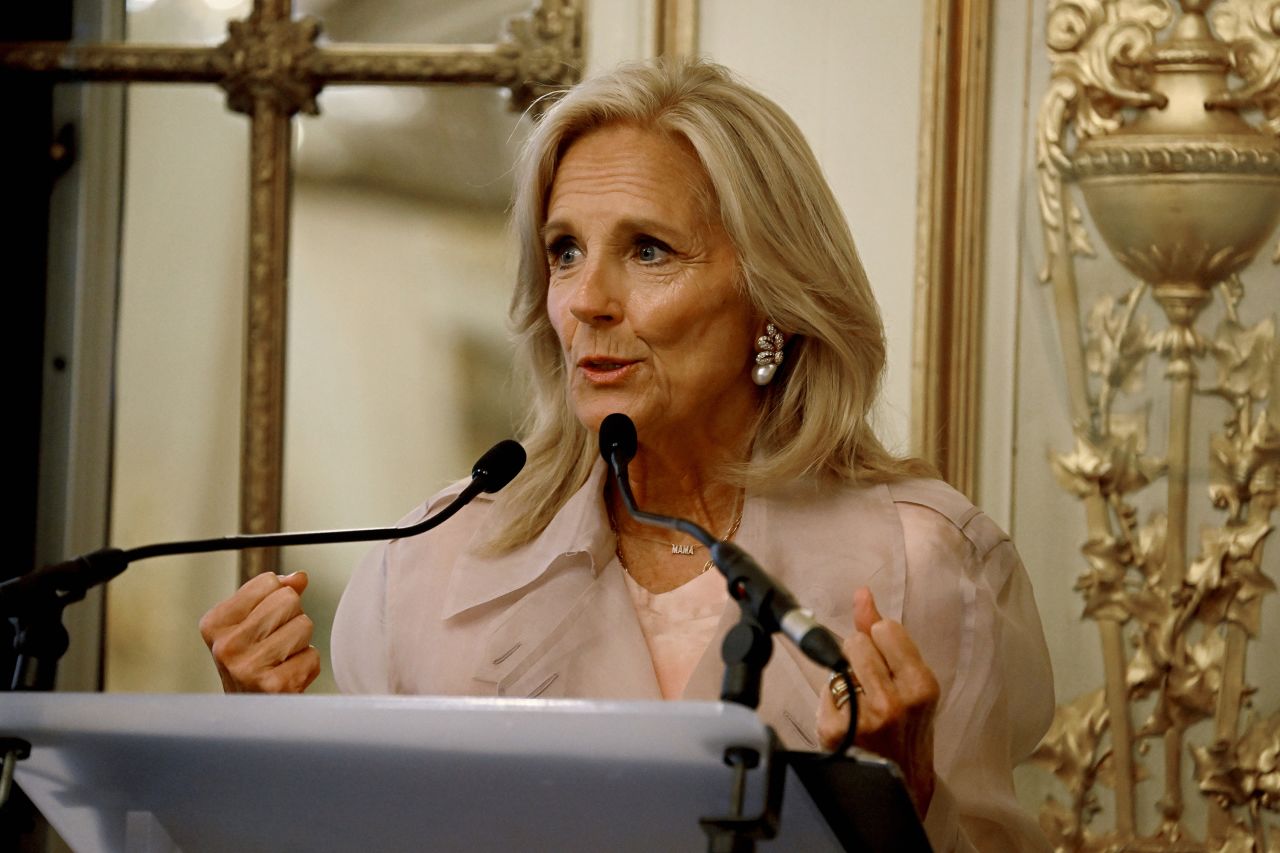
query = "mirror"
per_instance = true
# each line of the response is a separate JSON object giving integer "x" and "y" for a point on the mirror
{"x": 397, "y": 362}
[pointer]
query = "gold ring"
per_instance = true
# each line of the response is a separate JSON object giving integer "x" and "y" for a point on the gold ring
{"x": 839, "y": 689}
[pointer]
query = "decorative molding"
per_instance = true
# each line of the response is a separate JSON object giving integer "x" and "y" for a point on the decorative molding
{"x": 272, "y": 67}
{"x": 950, "y": 229}
{"x": 1253, "y": 158}
{"x": 267, "y": 59}
{"x": 262, "y": 394}
{"x": 677, "y": 31}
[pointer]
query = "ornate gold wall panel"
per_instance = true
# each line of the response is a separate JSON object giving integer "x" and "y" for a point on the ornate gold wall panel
{"x": 272, "y": 67}
{"x": 951, "y": 224}
{"x": 1161, "y": 129}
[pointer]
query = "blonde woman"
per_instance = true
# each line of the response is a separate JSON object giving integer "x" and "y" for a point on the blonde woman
{"x": 683, "y": 261}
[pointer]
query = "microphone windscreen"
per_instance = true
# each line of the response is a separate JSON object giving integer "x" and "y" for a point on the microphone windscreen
{"x": 499, "y": 465}
{"x": 618, "y": 438}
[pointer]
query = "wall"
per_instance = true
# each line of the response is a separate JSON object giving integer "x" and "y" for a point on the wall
{"x": 849, "y": 74}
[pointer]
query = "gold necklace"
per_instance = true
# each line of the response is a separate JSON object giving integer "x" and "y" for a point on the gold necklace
{"x": 617, "y": 538}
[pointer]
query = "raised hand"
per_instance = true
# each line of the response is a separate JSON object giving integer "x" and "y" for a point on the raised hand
{"x": 897, "y": 698}
{"x": 260, "y": 638}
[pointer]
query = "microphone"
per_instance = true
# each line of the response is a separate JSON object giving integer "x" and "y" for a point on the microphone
{"x": 68, "y": 581}
{"x": 498, "y": 466}
{"x": 618, "y": 440}
{"x": 771, "y": 603}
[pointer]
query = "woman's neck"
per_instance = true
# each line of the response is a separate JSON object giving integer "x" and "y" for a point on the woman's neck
{"x": 687, "y": 482}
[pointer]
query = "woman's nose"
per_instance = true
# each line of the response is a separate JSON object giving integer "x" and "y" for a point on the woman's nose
{"x": 596, "y": 301}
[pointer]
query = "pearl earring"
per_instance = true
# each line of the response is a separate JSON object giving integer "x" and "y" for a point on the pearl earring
{"x": 768, "y": 355}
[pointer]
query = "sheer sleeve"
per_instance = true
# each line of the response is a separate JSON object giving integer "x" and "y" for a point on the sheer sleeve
{"x": 970, "y": 609}
{"x": 358, "y": 647}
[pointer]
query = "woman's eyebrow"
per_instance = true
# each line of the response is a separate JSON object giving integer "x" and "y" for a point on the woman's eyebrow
{"x": 554, "y": 227}
{"x": 631, "y": 224}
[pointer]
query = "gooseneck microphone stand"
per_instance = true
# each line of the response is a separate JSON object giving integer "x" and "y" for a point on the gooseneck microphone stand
{"x": 766, "y": 608}
{"x": 35, "y": 601}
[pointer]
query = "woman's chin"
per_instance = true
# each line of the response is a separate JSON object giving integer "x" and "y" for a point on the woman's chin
{"x": 595, "y": 415}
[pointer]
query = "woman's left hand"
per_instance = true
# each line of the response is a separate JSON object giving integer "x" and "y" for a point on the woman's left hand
{"x": 897, "y": 701}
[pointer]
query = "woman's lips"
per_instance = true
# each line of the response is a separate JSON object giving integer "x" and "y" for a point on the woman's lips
{"x": 604, "y": 370}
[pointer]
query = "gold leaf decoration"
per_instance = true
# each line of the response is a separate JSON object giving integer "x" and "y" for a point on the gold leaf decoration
{"x": 1226, "y": 577}
{"x": 1072, "y": 750}
{"x": 1112, "y": 466}
{"x": 1251, "y": 28}
{"x": 1246, "y": 773}
{"x": 1117, "y": 342}
{"x": 1103, "y": 583}
{"x": 1244, "y": 358}
{"x": 1242, "y": 466}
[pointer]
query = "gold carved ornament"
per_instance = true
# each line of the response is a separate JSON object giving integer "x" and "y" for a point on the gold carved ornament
{"x": 1148, "y": 114}
{"x": 273, "y": 66}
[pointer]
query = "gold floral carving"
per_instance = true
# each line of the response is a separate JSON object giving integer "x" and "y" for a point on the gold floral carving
{"x": 1251, "y": 28}
{"x": 272, "y": 67}
{"x": 1145, "y": 122}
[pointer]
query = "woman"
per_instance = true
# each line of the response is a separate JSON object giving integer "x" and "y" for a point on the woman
{"x": 684, "y": 262}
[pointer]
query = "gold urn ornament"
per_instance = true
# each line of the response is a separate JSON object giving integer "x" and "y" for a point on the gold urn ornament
{"x": 1186, "y": 192}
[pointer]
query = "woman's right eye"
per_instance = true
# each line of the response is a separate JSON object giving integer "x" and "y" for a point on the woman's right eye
{"x": 563, "y": 253}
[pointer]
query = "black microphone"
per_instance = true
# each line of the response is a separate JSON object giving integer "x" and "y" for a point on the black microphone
{"x": 498, "y": 466}
{"x": 68, "y": 581}
{"x": 771, "y": 603}
{"x": 618, "y": 439}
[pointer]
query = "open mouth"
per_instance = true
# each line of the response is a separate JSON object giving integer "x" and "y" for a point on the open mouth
{"x": 604, "y": 368}
{"x": 604, "y": 362}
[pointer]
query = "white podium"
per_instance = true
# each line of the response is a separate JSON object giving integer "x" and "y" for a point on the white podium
{"x": 115, "y": 772}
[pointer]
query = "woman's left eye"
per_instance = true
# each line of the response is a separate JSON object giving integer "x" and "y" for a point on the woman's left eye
{"x": 649, "y": 251}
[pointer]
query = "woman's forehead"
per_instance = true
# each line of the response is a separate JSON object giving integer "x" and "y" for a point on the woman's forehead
{"x": 625, "y": 164}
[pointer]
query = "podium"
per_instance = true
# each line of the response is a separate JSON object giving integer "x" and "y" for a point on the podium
{"x": 117, "y": 772}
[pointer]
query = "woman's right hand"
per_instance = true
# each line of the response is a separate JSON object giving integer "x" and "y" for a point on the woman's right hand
{"x": 261, "y": 639}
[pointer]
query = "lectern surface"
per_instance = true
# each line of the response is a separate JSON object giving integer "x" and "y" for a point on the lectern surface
{"x": 279, "y": 773}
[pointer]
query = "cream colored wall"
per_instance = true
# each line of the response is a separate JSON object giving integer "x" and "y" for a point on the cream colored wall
{"x": 848, "y": 72}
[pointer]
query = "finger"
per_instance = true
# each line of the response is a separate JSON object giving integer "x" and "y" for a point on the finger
{"x": 868, "y": 665}
{"x": 297, "y": 581}
{"x": 880, "y": 704}
{"x": 272, "y": 612}
{"x": 865, "y": 613}
{"x": 913, "y": 676}
{"x": 294, "y": 675}
{"x": 832, "y": 722}
{"x": 236, "y": 647}
{"x": 246, "y": 663}
{"x": 233, "y": 610}
{"x": 291, "y": 638}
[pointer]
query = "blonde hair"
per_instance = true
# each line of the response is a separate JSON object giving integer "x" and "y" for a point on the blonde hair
{"x": 798, "y": 267}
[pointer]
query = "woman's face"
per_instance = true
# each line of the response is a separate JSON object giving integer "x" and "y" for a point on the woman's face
{"x": 643, "y": 292}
